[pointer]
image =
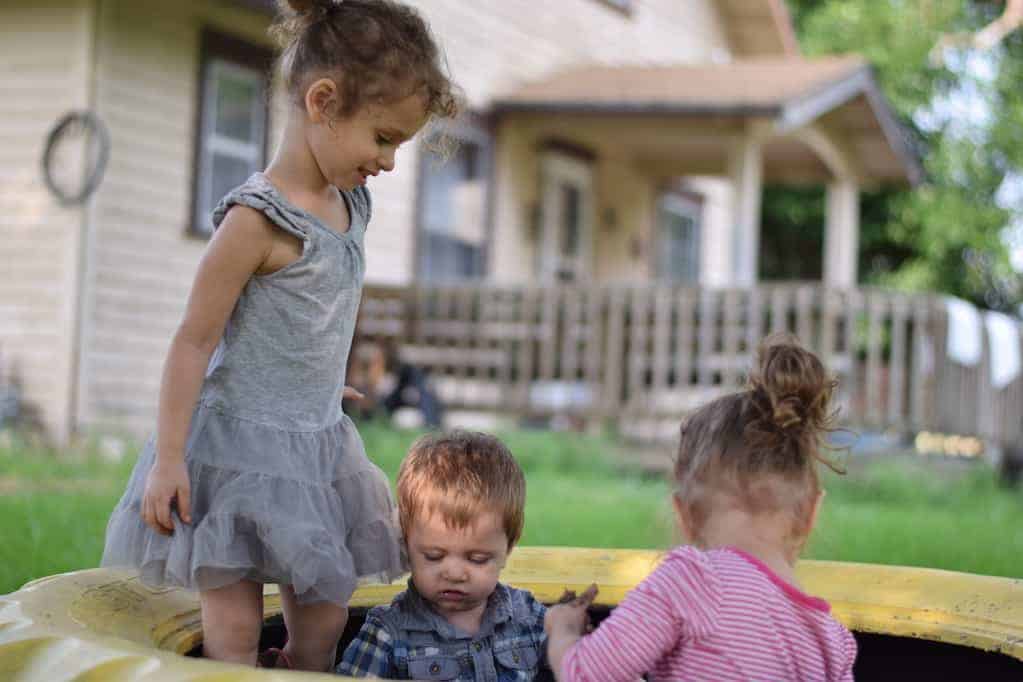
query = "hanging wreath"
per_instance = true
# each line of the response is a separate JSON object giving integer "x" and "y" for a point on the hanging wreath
{"x": 76, "y": 154}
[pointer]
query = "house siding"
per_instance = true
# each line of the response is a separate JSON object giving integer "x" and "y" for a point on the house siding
{"x": 142, "y": 259}
{"x": 137, "y": 63}
{"x": 494, "y": 46}
{"x": 44, "y": 65}
{"x": 144, "y": 264}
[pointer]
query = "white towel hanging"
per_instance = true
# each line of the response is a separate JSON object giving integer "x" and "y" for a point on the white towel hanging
{"x": 964, "y": 337}
{"x": 1004, "y": 344}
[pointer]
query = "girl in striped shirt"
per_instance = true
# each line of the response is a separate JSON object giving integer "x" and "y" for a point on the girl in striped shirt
{"x": 728, "y": 606}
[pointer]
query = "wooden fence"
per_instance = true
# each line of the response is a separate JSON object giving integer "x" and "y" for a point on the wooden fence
{"x": 644, "y": 354}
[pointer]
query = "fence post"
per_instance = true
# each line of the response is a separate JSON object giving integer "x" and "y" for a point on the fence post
{"x": 731, "y": 337}
{"x": 873, "y": 384}
{"x": 922, "y": 363}
{"x": 684, "y": 323}
{"x": 528, "y": 313}
{"x": 662, "y": 338}
{"x": 614, "y": 365}
{"x": 638, "y": 346}
{"x": 897, "y": 363}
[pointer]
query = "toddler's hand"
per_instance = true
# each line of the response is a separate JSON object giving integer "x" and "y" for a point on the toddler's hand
{"x": 570, "y": 616}
{"x": 166, "y": 485}
{"x": 350, "y": 393}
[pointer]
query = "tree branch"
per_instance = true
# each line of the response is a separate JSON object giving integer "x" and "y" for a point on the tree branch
{"x": 984, "y": 39}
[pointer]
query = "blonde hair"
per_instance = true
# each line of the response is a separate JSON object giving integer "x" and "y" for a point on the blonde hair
{"x": 460, "y": 475}
{"x": 761, "y": 445}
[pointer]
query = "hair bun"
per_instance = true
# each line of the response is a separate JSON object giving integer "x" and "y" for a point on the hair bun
{"x": 294, "y": 17}
{"x": 791, "y": 387}
{"x": 787, "y": 412}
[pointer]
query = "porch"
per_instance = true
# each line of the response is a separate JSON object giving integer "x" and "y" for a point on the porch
{"x": 594, "y": 167}
{"x": 639, "y": 356}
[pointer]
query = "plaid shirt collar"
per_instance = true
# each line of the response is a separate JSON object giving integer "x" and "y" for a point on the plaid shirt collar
{"x": 418, "y": 615}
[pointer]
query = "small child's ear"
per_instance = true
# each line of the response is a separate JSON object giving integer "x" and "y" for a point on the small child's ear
{"x": 322, "y": 99}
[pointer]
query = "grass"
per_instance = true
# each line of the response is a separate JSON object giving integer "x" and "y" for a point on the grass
{"x": 914, "y": 513}
{"x": 53, "y": 507}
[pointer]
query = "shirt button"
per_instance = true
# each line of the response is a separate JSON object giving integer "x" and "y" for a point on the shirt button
{"x": 515, "y": 658}
{"x": 479, "y": 646}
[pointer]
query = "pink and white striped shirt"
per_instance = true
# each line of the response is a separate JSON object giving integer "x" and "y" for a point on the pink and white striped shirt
{"x": 717, "y": 615}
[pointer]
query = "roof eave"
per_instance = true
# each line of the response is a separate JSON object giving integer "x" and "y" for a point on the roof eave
{"x": 648, "y": 108}
{"x": 801, "y": 110}
{"x": 894, "y": 132}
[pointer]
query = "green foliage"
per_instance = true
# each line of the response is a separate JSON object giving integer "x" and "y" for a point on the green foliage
{"x": 53, "y": 510}
{"x": 947, "y": 234}
{"x": 793, "y": 227}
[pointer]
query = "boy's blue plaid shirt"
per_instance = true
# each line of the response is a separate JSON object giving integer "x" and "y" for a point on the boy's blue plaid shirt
{"x": 409, "y": 640}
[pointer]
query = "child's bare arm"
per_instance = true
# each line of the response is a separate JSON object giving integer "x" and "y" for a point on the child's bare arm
{"x": 237, "y": 250}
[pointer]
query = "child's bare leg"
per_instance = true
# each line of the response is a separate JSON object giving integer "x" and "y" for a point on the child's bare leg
{"x": 232, "y": 619}
{"x": 313, "y": 631}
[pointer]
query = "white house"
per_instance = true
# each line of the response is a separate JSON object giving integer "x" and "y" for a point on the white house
{"x": 606, "y": 140}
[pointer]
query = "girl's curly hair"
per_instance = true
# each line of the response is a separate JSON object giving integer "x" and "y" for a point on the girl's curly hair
{"x": 376, "y": 50}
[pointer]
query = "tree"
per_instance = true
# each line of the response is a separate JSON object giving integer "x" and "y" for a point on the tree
{"x": 948, "y": 234}
{"x": 1008, "y": 21}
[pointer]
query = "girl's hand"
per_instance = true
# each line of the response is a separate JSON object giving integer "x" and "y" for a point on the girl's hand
{"x": 351, "y": 394}
{"x": 570, "y": 618}
{"x": 166, "y": 484}
{"x": 565, "y": 623}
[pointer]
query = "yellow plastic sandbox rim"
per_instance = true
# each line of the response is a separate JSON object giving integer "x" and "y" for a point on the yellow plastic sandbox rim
{"x": 104, "y": 625}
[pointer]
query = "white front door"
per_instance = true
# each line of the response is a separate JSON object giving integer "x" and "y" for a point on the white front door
{"x": 566, "y": 218}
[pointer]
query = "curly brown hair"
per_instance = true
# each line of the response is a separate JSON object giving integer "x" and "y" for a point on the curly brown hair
{"x": 376, "y": 50}
{"x": 761, "y": 445}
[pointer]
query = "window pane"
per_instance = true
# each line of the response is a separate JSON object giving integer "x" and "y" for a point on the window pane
{"x": 679, "y": 247}
{"x": 233, "y": 114}
{"x": 238, "y": 102}
{"x": 570, "y": 217}
{"x": 447, "y": 258}
{"x": 452, "y": 213}
{"x": 440, "y": 178}
{"x": 225, "y": 174}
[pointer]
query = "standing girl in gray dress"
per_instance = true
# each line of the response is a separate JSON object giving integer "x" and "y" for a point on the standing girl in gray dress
{"x": 254, "y": 475}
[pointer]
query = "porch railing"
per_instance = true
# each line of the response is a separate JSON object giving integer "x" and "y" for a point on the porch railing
{"x": 644, "y": 354}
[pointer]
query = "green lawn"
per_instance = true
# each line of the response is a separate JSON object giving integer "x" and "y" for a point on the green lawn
{"x": 53, "y": 508}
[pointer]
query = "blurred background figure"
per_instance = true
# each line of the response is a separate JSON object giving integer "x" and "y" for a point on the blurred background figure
{"x": 389, "y": 384}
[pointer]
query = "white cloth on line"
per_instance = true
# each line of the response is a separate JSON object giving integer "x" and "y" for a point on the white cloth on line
{"x": 964, "y": 335}
{"x": 1003, "y": 339}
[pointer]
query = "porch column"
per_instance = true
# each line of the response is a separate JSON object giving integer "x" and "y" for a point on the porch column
{"x": 842, "y": 233}
{"x": 746, "y": 171}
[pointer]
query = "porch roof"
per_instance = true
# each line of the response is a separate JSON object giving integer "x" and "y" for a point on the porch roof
{"x": 838, "y": 93}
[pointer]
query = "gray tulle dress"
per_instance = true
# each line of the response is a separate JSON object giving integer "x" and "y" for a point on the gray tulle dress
{"x": 281, "y": 488}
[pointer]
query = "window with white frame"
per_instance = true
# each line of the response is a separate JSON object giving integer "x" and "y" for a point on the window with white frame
{"x": 232, "y": 122}
{"x": 453, "y": 207}
{"x": 678, "y": 225}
